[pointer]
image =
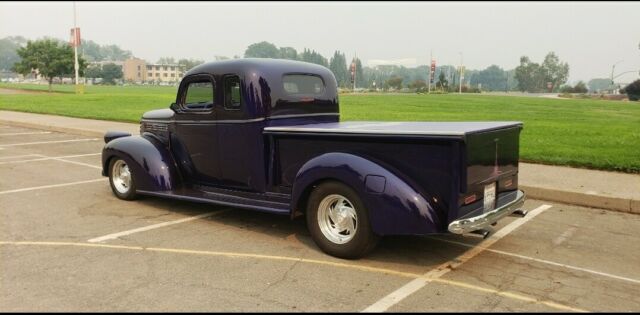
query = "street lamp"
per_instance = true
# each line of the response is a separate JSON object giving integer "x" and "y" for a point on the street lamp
{"x": 612, "y": 69}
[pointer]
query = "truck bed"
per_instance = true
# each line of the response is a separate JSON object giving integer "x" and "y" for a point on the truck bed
{"x": 439, "y": 129}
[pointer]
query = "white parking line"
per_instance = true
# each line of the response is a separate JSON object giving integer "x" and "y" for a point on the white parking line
{"x": 548, "y": 262}
{"x": 52, "y": 186}
{"x": 77, "y": 163}
{"x": 400, "y": 294}
{"x": 151, "y": 227}
{"x": 45, "y": 142}
{"x": 46, "y": 158}
{"x": 24, "y": 133}
{"x": 17, "y": 156}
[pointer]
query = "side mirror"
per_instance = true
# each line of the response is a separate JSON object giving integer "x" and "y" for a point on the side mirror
{"x": 175, "y": 107}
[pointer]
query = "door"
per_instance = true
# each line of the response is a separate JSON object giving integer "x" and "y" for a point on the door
{"x": 240, "y": 139}
{"x": 195, "y": 140}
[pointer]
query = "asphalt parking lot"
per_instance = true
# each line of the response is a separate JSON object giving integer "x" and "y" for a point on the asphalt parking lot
{"x": 68, "y": 244}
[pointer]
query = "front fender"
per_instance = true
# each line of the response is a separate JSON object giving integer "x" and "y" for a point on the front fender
{"x": 150, "y": 162}
{"x": 394, "y": 206}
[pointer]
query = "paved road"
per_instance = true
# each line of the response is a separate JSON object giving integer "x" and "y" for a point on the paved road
{"x": 67, "y": 244}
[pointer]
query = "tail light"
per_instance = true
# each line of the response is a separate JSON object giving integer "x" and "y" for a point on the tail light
{"x": 469, "y": 199}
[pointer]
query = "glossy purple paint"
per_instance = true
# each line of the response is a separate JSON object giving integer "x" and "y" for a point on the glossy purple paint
{"x": 151, "y": 164}
{"x": 399, "y": 209}
{"x": 410, "y": 184}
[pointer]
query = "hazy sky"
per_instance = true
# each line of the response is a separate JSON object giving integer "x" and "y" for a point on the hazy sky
{"x": 590, "y": 36}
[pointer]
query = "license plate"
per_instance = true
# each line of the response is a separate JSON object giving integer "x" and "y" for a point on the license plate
{"x": 489, "y": 197}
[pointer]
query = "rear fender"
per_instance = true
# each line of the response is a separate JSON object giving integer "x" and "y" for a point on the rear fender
{"x": 394, "y": 206}
{"x": 150, "y": 162}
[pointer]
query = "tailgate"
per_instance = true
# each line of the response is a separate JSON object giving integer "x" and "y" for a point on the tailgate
{"x": 491, "y": 158}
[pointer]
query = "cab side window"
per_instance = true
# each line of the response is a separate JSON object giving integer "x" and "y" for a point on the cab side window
{"x": 232, "y": 100}
{"x": 199, "y": 95}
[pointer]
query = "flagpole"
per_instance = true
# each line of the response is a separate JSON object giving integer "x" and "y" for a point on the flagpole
{"x": 429, "y": 77}
{"x": 355, "y": 72}
{"x": 75, "y": 42}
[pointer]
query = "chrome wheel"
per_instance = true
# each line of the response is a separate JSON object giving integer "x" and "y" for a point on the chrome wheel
{"x": 337, "y": 219}
{"x": 121, "y": 177}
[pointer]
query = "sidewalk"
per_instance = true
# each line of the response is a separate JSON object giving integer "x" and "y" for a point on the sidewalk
{"x": 597, "y": 189}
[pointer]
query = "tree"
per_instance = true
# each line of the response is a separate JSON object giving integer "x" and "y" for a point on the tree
{"x": 93, "y": 71}
{"x": 533, "y": 77}
{"x": 288, "y": 53}
{"x": 313, "y": 57}
{"x": 167, "y": 61}
{"x": 190, "y": 63}
{"x": 491, "y": 79}
{"x": 580, "y": 87}
{"x": 632, "y": 90}
{"x": 442, "y": 83}
{"x": 418, "y": 85}
{"x": 49, "y": 57}
{"x": 554, "y": 71}
{"x": 338, "y": 65}
{"x": 262, "y": 50}
{"x": 110, "y": 72}
{"x": 95, "y": 52}
{"x": 8, "y": 51}
{"x": 395, "y": 82}
{"x": 113, "y": 52}
{"x": 530, "y": 76}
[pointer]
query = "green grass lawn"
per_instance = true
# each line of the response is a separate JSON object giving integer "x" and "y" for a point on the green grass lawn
{"x": 585, "y": 133}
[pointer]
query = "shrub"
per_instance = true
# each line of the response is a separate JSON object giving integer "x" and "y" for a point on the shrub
{"x": 632, "y": 90}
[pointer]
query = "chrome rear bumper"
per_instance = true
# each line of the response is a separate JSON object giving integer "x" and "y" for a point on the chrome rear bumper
{"x": 467, "y": 225}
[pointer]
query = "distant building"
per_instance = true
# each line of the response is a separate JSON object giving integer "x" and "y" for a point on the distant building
{"x": 104, "y": 62}
{"x": 139, "y": 71}
{"x": 134, "y": 69}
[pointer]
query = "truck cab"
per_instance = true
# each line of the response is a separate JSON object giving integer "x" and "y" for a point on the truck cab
{"x": 266, "y": 135}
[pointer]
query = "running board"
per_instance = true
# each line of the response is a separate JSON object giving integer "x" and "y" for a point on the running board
{"x": 220, "y": 199}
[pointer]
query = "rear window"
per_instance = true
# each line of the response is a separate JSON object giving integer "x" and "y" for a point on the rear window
{"x": 303, "y": 84}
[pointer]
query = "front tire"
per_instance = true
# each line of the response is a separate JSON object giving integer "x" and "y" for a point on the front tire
{"x": 338, "y": 221}
{"x": 121, "y": 179}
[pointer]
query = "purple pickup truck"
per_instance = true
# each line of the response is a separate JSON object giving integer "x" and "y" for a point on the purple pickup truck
{"x": 265, "y": 134}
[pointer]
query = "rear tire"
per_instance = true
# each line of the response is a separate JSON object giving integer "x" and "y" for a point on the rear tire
{"x": 121, "y": 179}
{"x": 338, "y": 221}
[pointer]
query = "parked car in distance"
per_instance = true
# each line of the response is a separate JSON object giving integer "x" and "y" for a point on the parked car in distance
{"x": 265, "y": 134}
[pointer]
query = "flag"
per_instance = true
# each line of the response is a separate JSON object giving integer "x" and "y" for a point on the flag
{"x": 353, "y": 71}
{"x": 433, "y": 70}
{"x": 75, "y": 37}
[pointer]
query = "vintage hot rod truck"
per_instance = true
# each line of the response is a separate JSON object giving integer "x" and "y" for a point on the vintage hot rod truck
{"x": 265, "y": 134}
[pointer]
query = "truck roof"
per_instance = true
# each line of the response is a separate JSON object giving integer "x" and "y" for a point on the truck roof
{"x": 263, "y": 86}
{"x": 259, "y": 66}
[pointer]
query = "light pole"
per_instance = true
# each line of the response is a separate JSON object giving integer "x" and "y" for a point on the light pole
{"x": 612, "y": 69}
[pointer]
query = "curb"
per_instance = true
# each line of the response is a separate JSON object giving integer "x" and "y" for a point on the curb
{"x": 75, "y": 131}
{"x": 582, "y": 199}
{"x": 547, "y": 194}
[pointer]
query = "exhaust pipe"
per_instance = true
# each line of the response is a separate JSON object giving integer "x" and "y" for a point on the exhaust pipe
{"x": 519, "y": 213}
{"x": 482, "y": 232}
